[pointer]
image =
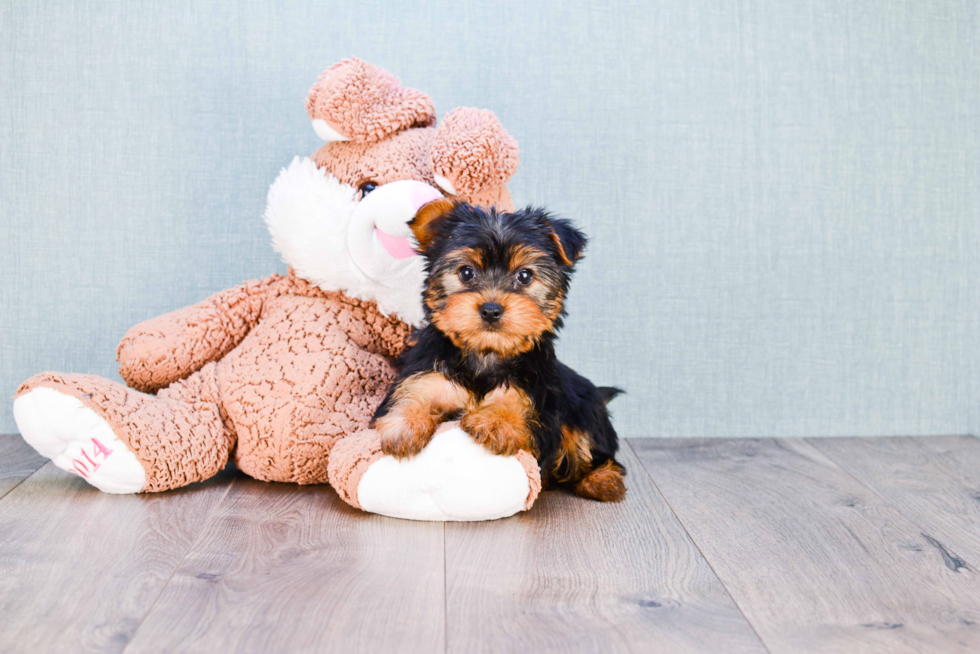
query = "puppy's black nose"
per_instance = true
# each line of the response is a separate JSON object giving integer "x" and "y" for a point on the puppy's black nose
{"x": 491, "y": 311}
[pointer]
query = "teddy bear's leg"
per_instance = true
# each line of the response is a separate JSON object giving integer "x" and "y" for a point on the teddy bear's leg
{"x": 452, "y": 479}
{"x": 121, "y": 440}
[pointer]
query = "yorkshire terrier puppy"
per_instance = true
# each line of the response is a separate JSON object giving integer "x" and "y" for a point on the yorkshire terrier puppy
{"x": 493, "y": 297}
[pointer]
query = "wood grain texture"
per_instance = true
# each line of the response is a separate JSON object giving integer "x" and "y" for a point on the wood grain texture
{"x": 935, "y": 482}
{"x": 844, "y": 545}
{"x": 18, "y": 461}
{"x": 815, "y": 560}
{"x": 574, "y": 575}
{"x": 286, "y": 568}
{"x": 79, "y": 569}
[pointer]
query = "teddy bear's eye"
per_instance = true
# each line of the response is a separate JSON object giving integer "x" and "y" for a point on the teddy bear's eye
{"x": 367, "y": 187}
{"x": 466, "y": 273}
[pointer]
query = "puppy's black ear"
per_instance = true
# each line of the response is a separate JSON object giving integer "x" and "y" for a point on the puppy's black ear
{"x": 569, "y": 241}
{"x": 425, "y": 224}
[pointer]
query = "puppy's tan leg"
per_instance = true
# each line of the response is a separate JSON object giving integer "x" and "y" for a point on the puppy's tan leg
{"x": 604, "y": 483}
{"x": 420, "y": 403}
{"x": 502, "y": 422}
{"x": 574, "y": 457}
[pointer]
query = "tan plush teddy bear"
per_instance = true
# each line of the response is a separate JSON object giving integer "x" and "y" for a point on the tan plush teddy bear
{"x": 283, "y": 374}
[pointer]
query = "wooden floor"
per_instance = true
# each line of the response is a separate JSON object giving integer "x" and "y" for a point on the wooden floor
{"x": 722, "y": 546}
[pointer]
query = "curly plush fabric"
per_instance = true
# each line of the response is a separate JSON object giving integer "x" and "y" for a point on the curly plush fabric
{"x": 408, "y": 155}
{"x": 349, "y": 460}
{"x": 533, "y": 475}
{"x": 365, "y": 103}
{"x": 299, "y": 368}
{"x": 158, "y": 352}
{"x": 473, "y": 151}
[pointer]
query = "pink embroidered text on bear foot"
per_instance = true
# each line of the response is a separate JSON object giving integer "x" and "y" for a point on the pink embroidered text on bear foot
{"x": 76, "y": 439}
{"x": 90, "y": 464}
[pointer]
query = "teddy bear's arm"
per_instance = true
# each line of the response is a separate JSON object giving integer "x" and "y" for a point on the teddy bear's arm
{"x": 391, "y": 338}
{"x": 165, "y": 349}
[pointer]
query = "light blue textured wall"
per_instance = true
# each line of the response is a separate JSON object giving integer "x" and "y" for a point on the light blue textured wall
{"x": 784, "y": 197}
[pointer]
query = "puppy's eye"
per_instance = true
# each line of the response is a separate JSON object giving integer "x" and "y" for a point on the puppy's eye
{"x": 367, "y": 187}
{"x": 524, "y": 277}
{"x": 466, "y": 273}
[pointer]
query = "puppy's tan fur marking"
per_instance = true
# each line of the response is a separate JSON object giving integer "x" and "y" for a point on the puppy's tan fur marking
{"x": 469, "y": 255}
{"x": 519, "y": 329}
{"x": 548, "y": 301}
{"x": 605, "y": 484}
{"x": 420, "y": 404}
{"x": 424, "y": 222}
{"x": 561, "y": 249}
{"x": 503, "y": 422}
{"x": 523, "y": 256}
{"x": 574, "y": 456}
{"x": 448, "y": 280}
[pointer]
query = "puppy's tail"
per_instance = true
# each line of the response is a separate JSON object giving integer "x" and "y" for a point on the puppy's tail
{"x": 607, "y": 393}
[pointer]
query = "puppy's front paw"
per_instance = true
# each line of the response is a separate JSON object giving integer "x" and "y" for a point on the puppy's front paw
{"x": 403, "y": 436}
{"x": 492, "y": 429}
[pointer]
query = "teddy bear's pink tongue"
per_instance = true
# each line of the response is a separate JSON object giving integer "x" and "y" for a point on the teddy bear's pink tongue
{"x": 396, "y": 246}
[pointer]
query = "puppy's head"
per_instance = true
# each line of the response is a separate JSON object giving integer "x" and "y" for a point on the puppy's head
{"x": 496, "y": 282}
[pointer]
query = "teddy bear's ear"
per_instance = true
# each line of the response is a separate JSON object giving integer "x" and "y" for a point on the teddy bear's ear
{"x": 425, "y": 224}
{"x": 355, "y": 101}
{"x": 472, "y": 151}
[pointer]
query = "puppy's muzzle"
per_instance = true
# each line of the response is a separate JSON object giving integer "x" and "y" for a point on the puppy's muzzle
{"x": 491, "y": 312}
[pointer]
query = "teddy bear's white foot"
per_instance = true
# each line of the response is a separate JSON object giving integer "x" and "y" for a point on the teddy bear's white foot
{"x": 453, "y": 478}
{"x": 60, "y": 427}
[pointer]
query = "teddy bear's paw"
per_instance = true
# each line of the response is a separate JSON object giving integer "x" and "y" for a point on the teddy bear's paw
{"x": 452, "y": 479}
{"x": 76, "y": 439}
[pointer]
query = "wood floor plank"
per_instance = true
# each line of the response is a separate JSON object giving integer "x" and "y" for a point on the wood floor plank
{"x": 18, "y": 461}
{"x": 573, "y": 575}
{"x": 286, "y": 568}
{"x": 935, "y": 482}
{"x": 815, "y": 560}
{"x": 79, "y": 569}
